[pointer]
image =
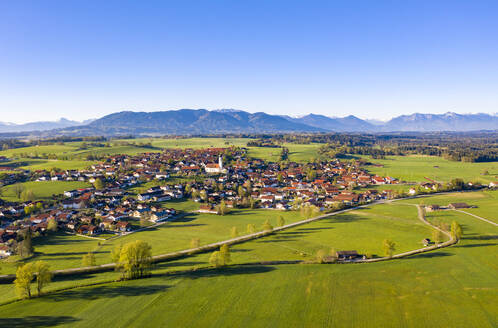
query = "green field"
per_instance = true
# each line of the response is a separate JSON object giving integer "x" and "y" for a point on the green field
{"x": 452, "y": 287}
{"x": 43, "y": 190}
{"x": 361, "y": 230}
{"x": 416, "y": 168}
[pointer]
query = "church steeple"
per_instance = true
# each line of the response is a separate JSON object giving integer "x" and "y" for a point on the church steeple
{"x": 220, "y": 162}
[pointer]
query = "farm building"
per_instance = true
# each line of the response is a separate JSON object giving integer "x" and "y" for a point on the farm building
{"x": 433, "y": 207}
{"x": 454, "y": 206}
{"x": 348, "y": 255}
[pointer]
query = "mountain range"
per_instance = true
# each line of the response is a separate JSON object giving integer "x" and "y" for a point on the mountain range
{"x": 40, "y": 126}
{"x": 202, "y": 121}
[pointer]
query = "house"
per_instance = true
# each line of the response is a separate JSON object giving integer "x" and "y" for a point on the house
{"x": 493, "y": 184}
{"x": 123, "y": 226}
{"x": 160, "y": 216}
{"x": 207, "y": 209}
{"x": 433, "y": 207}
{"x": 4, "y": 251}
{"x": 455, "y": 206}
{"x": 347, "y": 255}
{"x": 88, "y": 230}
{"x": 426, "y": 241}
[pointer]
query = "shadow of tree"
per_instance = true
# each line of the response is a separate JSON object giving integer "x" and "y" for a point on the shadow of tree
{"x": 476, "y": 245}
{"x": 105, "y": 291}
{"x": 226, "y": 271}
{"x": 428, "y": 255}
{"x": 37, "y": 321}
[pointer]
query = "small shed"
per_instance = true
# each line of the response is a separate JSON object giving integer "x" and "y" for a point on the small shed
{"x": 426, "y": 242}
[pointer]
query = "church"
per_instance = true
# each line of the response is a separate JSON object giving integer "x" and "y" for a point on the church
{"x": 215, "y": 168}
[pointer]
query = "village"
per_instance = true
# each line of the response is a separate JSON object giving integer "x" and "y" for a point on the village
{"x": 217, "y": 178}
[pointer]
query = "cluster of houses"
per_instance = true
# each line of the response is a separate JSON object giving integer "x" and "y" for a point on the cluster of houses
{"x": 209, "y": 176}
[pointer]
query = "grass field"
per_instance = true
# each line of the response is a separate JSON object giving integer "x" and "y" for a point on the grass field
{"x": 415, "y": 168}
{"x": 361, "y": 230}
{"x": 42, "y": 190}
{"x": 452, "y": 287}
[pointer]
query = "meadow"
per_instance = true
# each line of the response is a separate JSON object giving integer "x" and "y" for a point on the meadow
{"x": 451, "y": 287}
{"x": 42, "y": 190}
{"x": 417, "y": 168}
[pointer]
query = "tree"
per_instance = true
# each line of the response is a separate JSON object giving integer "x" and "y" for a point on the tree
{"x": 222, "y": 208}
{"x": 43, "y": 275}
{"x": 280, "y": 221}
{"x": 88, "y": 260}
{"x": 203, "y": 195}
{"x": 195, "y": 243}
{"x": 27, "y": 195}
{"x": 437, "y": 236}
{"x": 456, "y": 230}
{"x": 25, "y": 248}
{"x": 98, "y": 184}
{"x": 457, "y": 183}
{"x": 267, "y": 226}
{"x": 135, "y": 259}
{"x": 225, "y": 254}
{"x": 389, "y": 247}
{"x": 116, "y": 253}
{"x": 52, "y": 225}
{"x": 233, "y": 232}
{"x": 215, "y": 259}
{"x": 280, "y": 178}
{"x": 24, "y": 276}
{"x": 18, "y": 189}
{"x": 320, "y": 256}
{"x": 251, "y": 228}
{"x": 241, "y": 191}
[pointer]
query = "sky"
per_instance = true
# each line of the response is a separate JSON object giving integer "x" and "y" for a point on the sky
{"x": 373, "y": 59}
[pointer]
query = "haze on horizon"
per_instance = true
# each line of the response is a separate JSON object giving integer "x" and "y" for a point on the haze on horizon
{"x": 380, "y": 59}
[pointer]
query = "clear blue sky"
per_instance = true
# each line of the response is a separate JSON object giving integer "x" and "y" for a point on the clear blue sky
{"x": 373, "y": 59}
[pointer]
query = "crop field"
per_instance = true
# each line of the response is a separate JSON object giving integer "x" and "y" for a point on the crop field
{"x": 416, "y": 168}
{"x": 451, "y": 287}
{"x": 42, "y": 190}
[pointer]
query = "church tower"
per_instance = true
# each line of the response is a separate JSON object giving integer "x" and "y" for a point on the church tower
{"x": 220, "y": 163}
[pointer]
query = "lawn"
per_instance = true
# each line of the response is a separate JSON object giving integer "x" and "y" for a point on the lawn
{"x": 42, "y": 190}
{"x": 416, "y": 168}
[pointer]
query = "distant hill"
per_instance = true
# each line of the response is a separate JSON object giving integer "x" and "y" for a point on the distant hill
{"x": 202, "y": 121}
{"x": 40, "y": 126}
{"x": 441, "y": 122}
{"x": 340, "y": 124}
{"x": 196, "y": 121}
